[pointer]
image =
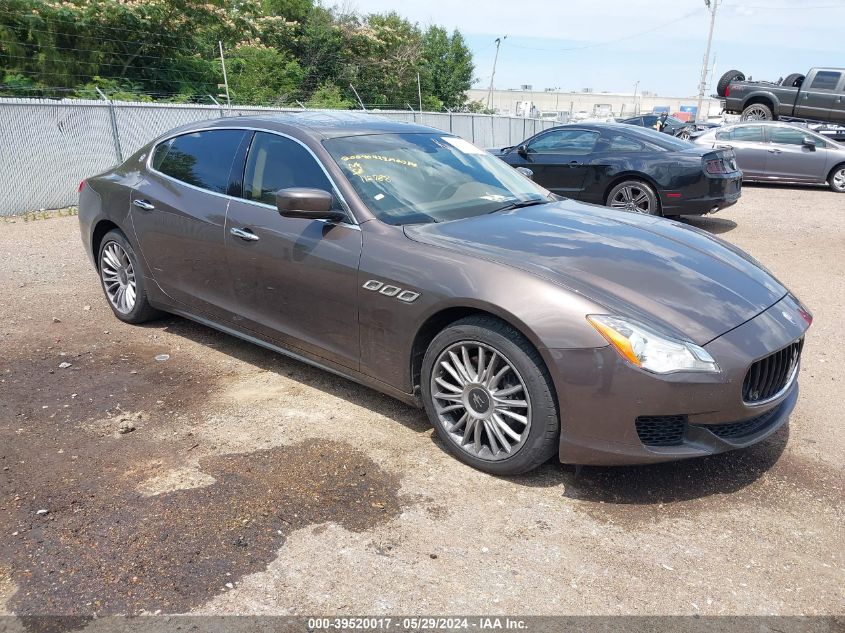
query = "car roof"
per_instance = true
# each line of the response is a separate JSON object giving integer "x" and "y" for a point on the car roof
{"x": 317, "y": 124}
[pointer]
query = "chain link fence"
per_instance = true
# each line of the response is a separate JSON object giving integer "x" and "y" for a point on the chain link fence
{"x": 47, "y": 147}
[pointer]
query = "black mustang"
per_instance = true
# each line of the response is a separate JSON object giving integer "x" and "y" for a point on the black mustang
{"x": 630, "y": 168}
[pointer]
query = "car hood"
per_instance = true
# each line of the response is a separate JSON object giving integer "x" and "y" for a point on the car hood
{"x": 646, "y": 267}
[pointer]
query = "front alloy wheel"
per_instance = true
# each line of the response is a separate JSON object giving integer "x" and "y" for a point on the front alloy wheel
{"x": 481, "y": 400}
{"x": 489, "y": 396}
{"x": 837, "y": 180}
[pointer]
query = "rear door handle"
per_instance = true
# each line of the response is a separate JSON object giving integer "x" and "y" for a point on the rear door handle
{"x": 244, "y": 234}
{"x": 574, "y": 162}
{"x": 144, "y": 204}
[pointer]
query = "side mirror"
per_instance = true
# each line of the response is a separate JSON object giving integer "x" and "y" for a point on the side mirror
{"x": 522, "y": 150}
{"x": 810, "y": 142}
{"x": 312, "y": 204}
{"x": 526, "y": 172}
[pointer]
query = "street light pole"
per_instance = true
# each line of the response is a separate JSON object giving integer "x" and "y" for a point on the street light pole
{"x": 712, "y": 5}
{"x": 493, "y": 74}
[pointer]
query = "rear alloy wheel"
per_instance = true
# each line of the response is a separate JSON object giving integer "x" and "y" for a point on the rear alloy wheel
{"x": 837, "y": 179}
{"x": 122, "y": 280}
{"x": 489, "y": 397}
{"x": 634, "y": 196}
{"x": 757, "y": 112}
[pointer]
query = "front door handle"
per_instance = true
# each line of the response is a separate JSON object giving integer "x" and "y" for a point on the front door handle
{"x": 244, "y": 234}
{"x": 574, "y": 162}
{"x": 144, "y": 204}
{"x": 774, "y": 151}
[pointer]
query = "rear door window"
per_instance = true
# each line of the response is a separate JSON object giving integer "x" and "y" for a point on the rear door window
{"x": 826, "y": 80}
{"x": 203, "y": 159}
{"x": 749, "y": 134}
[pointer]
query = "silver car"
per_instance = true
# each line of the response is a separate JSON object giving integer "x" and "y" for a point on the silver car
{"x": 781, "y": 152}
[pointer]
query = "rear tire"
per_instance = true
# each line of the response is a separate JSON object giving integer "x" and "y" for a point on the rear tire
{"x": 793, "y": 81}
{"x": 758, "y": 112}
{"x": 634, "y": 196}
{"x": 122, "y": 280}
{"x": 837, "y": 179}
{"x": 463, "y": 397}
{"x": 726, "y": 79}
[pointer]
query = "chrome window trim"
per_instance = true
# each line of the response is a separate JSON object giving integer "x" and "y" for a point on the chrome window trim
{"x": 148, "y": 164}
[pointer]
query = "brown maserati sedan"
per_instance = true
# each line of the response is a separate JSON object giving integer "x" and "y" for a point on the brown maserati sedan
{"x": 411, "y": 261}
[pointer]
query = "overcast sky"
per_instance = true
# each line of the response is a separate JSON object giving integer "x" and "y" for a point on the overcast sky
{"x": 617, "y": 42}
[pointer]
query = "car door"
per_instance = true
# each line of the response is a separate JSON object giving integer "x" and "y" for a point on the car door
{"x": 749, "y": 144}
{"x": 178, "y": 211}
{"x": 792, "y": 159}
{"x": 294, "y": 279}
{"x": 559, "y": 159}
{"x": 818, "y": 95}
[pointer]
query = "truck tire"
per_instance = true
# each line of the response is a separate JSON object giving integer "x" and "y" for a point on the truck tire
{"x": 727, "y": 78}
{"x": 793, "y": 81}
{"x": 757, "y": 112}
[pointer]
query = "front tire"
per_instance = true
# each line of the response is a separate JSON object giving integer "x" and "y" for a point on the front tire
{"x": 489, "y": 396}
{"x": 757, "y": 112}
{"x": 634, "y": 196}
{"x": 837, "y": 179}
{"x": 122, "y": 280}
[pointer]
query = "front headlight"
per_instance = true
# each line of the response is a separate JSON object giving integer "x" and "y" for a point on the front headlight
{"x": 645, "y": 348}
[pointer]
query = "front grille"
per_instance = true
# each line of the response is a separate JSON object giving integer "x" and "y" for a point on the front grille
{"x": 661, "y": 430}
{"x": 769, "y": 375}
{"x": 742, "y": 429}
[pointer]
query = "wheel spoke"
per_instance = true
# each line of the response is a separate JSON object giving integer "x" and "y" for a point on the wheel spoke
{"x": 467, "y": 364}
{"x": 459, "y": 366}
{"x": 499, "y": 375}
{"x": 468, "y": 430}
{"x": 460, "y": 423}
{"x": 491, "y": 426}
{"x": 509, "y": 391}
{"x": 447, "y": 385}
{"x": 521, "y": 404}
{"x": 477, "y": 436}
{"x": 516, "y": 416}
{"x": 504, "y": 426}
{"x": 452, "y": 372}
{"x": 491, "y": 438}
{"x": 451, "y": 407}
{"x": 643, "y": 197}
{"x": 480, "y": 365}
{"x": 451, "y": 397}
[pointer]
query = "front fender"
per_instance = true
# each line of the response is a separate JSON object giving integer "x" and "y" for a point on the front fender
{"x": 549, "y": 315}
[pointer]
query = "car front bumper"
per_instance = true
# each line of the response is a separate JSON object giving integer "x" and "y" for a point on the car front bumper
{"x": 601, "y": 396}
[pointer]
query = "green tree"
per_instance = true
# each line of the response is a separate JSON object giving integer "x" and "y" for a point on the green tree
{"x": 329, "y": 96}
{"x": 448, "y": 66}
{"x": 259, "y": 75}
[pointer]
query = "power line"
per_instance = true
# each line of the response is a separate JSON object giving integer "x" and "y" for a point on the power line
{"x": 611, "y": 42}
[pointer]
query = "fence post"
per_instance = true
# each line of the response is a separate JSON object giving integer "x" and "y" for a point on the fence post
{"x": 113, "y": 118}
{"x": 472, "y": 122}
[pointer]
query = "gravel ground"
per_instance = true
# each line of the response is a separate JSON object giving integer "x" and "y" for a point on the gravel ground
{"x": 230, "y": 480}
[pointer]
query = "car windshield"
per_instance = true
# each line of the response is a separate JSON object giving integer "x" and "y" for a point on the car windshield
{"x": 421, "y": 178}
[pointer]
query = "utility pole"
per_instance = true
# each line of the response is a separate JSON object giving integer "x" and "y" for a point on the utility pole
{"x": 225, "y": 78}
{"x": 419, "y": 90}
{"x": 357, "y": 96}
{"x": 493, "y": 74}
{"x": 636, "y": 86}
{"x": 712, "y": 5}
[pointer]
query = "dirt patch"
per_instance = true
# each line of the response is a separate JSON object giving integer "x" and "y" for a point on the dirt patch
{"x": 109, "y": 504}
{"x": 121, "y": 552}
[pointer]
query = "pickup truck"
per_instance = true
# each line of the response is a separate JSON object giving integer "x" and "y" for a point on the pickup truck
{"x": 818, "y": 96}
